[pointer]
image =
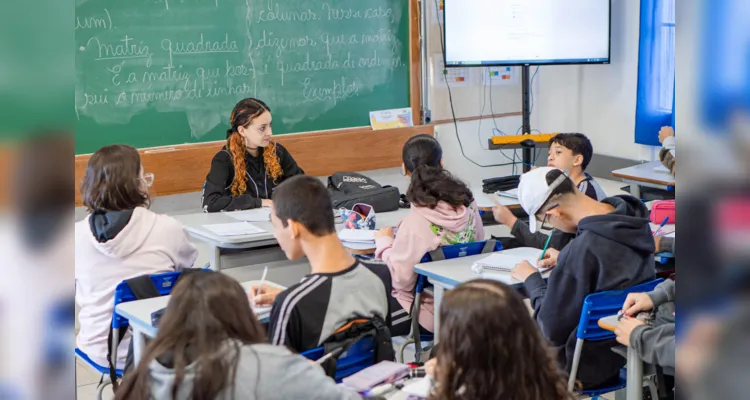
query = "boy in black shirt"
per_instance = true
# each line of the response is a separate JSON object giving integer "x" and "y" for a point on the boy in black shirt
{"x": 613, "y": 249}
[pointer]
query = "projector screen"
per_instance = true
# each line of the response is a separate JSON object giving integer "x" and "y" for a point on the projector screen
{"x": 518, "y": 32}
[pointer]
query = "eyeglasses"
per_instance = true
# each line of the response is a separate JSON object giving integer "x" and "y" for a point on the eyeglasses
{"x": 544, "y": 220}
{"x": 148, "y": 179}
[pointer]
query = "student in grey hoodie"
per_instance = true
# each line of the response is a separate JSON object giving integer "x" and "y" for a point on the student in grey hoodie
{"x": 613, "y": 249}
{"x": 210, "y": 346}
{"x": 654, "y": 342}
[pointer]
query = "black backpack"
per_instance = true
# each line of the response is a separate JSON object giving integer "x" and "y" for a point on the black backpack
{"x": 502, "y": 183}
{"x": 350, "y": 188}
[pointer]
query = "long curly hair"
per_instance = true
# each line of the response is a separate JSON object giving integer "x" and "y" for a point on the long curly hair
{"x": 242, "y": 115}
{"x": 430, "y": 183}
{"x": 491, "y": 348}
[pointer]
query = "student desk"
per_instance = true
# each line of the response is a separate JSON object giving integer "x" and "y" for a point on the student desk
{"x": 485, "y": 201}
{"x": 634, "y": 388}
{"x": 194, "y": 224}
{"x": 650, "y": 174}
{"x": 139, "y": 313}
{"x": 447, "y": 274}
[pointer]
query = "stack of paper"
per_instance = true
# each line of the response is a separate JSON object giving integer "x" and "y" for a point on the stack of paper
{"x": 254, "y": 215}
{"x": 357, "y": 236}
{"x": 512, "y": 193}
{"x": 357, "y": 239}
{"x": 502, "y": 262}
{"x": 234, "y": 229}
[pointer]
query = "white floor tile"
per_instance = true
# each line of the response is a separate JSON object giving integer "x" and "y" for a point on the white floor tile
{"x": 85, "y": 375}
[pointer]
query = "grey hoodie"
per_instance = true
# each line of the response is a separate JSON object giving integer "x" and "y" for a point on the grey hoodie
{"x": 264, "y": 372}
{"x": 655, "y": 343}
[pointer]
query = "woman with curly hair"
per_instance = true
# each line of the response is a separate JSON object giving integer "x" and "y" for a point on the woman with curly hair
{"x": 263, "y": 164}
{"x": 491, "y": 348}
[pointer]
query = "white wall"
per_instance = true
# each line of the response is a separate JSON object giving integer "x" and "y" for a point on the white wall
{"x": 597, "y": 100}
{"x": 471, "y": 133}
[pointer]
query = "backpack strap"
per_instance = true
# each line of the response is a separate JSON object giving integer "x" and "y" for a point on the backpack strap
{"x": 437, "y": 254}
{"x": 142, "y": 287}
{"x": 489, "y": 246}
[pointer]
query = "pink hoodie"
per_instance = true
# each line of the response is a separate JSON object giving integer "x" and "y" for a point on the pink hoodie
{"x": 420, "y": 232}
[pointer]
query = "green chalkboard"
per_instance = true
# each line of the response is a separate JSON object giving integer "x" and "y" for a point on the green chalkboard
{"x": 164, "y": 72}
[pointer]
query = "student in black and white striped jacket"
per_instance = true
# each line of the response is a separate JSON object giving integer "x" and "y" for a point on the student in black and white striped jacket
{"x": 339, "y": 287}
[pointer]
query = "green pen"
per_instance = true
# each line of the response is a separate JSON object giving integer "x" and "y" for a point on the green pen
{"x": 549, "y": 237}
{"x": 546, "y": 245}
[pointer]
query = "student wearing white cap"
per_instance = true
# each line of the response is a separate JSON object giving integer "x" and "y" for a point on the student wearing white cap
{"x": 613, "y": 249}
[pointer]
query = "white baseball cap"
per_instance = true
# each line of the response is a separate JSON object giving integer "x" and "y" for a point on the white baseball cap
{"x": 534, "y": 191}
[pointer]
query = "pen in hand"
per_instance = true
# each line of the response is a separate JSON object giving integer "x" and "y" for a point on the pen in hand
{"x": 666, "y": 219}
{"x": 260, "y": 286}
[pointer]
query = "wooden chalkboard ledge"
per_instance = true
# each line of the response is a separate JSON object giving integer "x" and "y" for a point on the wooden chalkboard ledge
{"x": 183, "y": 168}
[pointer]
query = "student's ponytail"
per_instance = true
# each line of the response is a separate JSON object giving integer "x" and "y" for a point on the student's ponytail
{"x": 430, "y": 183}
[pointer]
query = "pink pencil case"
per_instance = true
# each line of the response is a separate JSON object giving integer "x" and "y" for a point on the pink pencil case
{"x": 661, "y": 209}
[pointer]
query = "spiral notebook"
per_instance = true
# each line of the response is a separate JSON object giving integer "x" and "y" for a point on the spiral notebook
{"x": 504, "y": 262}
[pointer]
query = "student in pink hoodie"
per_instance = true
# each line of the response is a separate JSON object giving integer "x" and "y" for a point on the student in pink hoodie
{"x": 119, "y": 239}
{"x": 443, "y": 212}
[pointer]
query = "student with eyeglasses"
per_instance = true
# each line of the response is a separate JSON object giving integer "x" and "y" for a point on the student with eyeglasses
{"x": 119, "y": 239}
{"x": 613, "y": 249}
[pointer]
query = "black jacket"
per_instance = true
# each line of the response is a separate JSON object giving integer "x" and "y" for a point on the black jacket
{"x": 217, "y": 194}
{"x": 612, "y": 251}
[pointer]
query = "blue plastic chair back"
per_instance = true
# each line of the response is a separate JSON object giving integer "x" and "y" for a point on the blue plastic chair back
{"x": 358, "y": 357}
{"x": 462, "y": 250}
{"x": 163, "y": 283}
{"x": 604, "y": 304}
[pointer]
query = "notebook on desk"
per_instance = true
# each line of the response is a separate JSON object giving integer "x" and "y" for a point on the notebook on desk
{"x": 254, "y": 215}
{"x": 234, "y": 229}
{"x": 512, "y": 193}
{"x": 501, "y": 262}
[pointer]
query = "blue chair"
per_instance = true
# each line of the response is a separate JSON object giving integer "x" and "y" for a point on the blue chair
{"x": 163, "y": 283}
{"x": 358, "y": 357}
{"x": 441, "y": 253}
{"x": 595, "y": 307}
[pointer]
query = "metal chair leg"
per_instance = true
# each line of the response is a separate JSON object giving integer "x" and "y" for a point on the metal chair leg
{"x": 408, "y": 341}
{"x": 649, "y": 381}
{"x": 103, "y": 384}
{"x": 574, "y": 367}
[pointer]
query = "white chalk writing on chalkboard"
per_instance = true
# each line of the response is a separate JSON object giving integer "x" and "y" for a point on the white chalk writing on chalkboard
{"x": 94, "y": 22}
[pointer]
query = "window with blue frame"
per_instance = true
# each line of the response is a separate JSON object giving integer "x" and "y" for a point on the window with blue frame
{"x": 656, "y": 70}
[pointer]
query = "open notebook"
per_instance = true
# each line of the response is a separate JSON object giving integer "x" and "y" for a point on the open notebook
{"x": 505, "y": 262}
